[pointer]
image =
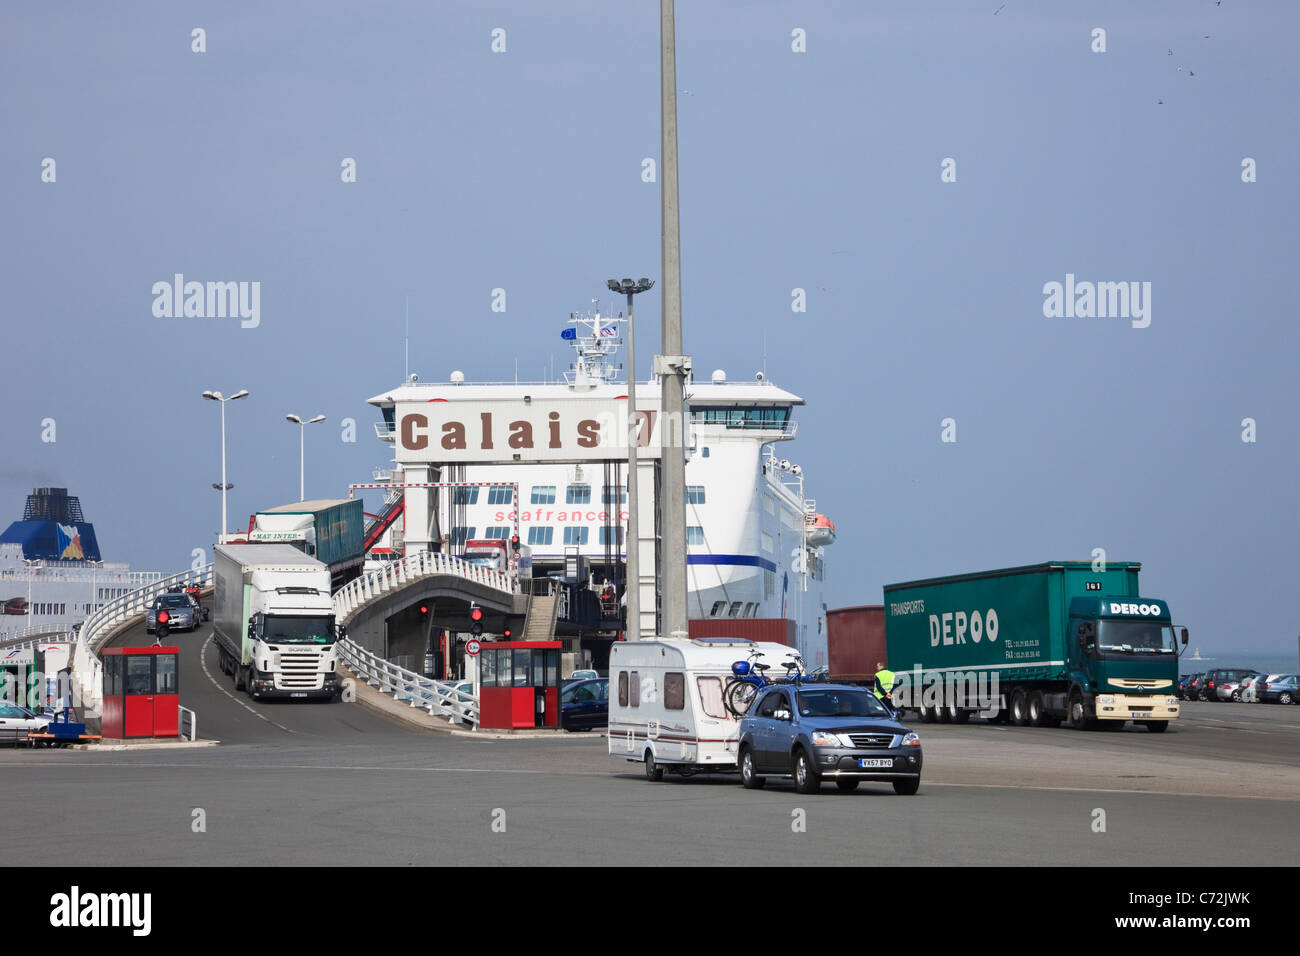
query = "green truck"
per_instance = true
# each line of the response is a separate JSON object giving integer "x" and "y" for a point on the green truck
{"x": 1071, "y": 641}
{"x": 331, "y": 531}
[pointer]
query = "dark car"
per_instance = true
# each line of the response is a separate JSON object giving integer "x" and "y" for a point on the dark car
{"x": 1283, "y": 690}
{"x": 585, "y": 704}
{"x": 817, "y": 732}
{"x": 1186, "y": 684}
{"x": 182, "y": 612}
{"x": 1213, "y": 680}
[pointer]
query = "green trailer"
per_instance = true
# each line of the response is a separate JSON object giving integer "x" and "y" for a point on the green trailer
{"x": 1071, "y": 641}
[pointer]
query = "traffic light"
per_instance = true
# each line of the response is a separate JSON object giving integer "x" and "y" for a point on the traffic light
{"x": 514, "y": 543}
{"x": 506, "y": 633}
{"x": 476, "y": 620}
{"x": 424, "y": 609}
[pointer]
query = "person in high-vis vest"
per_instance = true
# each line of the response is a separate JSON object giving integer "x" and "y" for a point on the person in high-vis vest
{"x": 884, "y": 685}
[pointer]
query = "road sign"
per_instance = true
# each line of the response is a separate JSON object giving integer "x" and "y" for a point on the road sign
{"x": 472, "y": 647}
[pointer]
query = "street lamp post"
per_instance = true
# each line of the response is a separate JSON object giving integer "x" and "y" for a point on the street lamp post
{"x": 632, "y": 586}
{"x": 302, "y": 448}
{"x": 224, "y": 486}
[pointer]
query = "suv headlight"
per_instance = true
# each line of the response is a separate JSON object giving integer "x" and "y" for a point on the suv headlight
{"x": 823, "y": 739}
{"x": 911, "y": 740}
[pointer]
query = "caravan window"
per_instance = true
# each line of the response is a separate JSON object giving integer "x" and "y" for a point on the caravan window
{"x": 711, "y": 696}
{"x": 635, "y": 690}
{"x": 675, "y": 691}
{"x": 622, "y": 688}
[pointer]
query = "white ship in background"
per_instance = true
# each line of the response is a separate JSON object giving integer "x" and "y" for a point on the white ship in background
{"x": 51, "y": 575}
{"x": 756, "y": 561}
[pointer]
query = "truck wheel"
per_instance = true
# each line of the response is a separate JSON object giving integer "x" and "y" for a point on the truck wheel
{"x": 748, "y": 779}
{"x": 928, "y": 716}
{"x": 1019, "y": 708}
{"x": 806, "y": 778}
{"x": 957, "y": 715}
{"x": 1038, "y": 711}
{"x": 943, "y": 714}
{"x": 652, "y": 770}
{"x": 1079, "y": 719}
{"x": 907, "y": 788}
{"x": 237, "y": 673}
{"x": 1157, "y": 726}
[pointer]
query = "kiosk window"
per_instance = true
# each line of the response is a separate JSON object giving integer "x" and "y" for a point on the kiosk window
{"x": 521, "y": 668}
{"x": 165, "y": 676}
{"x": 488, "y": 675}
{"x": 139, "y": 675}
{"x": 675, "y": 691}
{"x": 622, "y": 688}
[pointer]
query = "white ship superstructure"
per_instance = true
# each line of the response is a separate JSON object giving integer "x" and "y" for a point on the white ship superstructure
{"x": 755, "y": 542}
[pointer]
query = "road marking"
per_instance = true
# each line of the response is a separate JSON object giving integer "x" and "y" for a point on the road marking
{"x": 204, "y": 664}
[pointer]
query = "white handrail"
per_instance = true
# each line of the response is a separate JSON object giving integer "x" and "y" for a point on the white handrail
{"x": 437, "y": 698}
{"x": 349, "y": 598}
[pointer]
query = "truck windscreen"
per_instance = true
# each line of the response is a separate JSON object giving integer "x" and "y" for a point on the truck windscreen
{"x": 1129, "y": 638}
{"x": 286, "y": 629}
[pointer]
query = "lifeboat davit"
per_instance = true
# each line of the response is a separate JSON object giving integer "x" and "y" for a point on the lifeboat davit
{"x": 821, "y": 530}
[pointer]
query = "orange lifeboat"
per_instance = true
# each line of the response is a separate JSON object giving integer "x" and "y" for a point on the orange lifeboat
{"x": 821, "y": 530}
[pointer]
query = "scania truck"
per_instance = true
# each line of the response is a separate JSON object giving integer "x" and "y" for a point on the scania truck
{"x": 1071, "y": 641}
{"x": 273, "y": 621}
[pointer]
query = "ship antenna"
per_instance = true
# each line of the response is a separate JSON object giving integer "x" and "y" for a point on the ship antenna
{"x": 407, "y": 376}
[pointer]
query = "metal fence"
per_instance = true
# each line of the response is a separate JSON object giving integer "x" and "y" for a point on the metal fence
{"x": 437, "y": 698}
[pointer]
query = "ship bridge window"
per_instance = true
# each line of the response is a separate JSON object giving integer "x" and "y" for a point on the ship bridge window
{"x": 501, "y": 496}
{"x": 735, "y": 609}
{"x": 717, "y": 609}
{"x": 390, "y": 419}
{"x": 576, "y": 535}
{"x": 578, "y": 495}
{"x": 541, "y": 535}
{"x": 466, "y": 496}
{"x": 543, "y": 494}
{"x": 695, "y": 494}
{"x": 741, "y": 416}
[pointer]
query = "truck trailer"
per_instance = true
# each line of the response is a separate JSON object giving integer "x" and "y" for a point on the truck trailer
{"x": 273, "y": 621}
{"x": 331, "y": 531}
{"x": 855, "y": 642}
{"x": 1035, "y": 645}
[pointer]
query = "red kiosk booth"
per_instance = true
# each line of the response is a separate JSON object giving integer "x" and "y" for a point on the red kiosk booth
{"x": 141, "y": 692}
{"x": 519, "y": 684}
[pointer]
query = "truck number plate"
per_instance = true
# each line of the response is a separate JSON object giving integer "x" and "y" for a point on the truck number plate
{"x": 297, "y": 695}
{"x": 875, "y": 762}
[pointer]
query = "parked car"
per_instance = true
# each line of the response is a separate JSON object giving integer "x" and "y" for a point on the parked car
{"x": 17, "y": 722}
{"x": 1209, "y": 689}
{"x": 1185, "y": 683}
{"x": 582, "y": 675}
{"x": 584, "y": 704}
{"x": 1251, "y": 694}
{"x": 1192, "y": 690}
{"x": 182, "y": 612}
{"x": 1280, "y": 689}
{"x": 826, "y": 732}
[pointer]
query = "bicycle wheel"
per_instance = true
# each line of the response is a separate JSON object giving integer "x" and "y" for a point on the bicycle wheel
{"x": 739, "y": 695}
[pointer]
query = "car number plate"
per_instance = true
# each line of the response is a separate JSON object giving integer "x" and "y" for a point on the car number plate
{"x": 875, "y": 762}
{"x": 297, "y": 695}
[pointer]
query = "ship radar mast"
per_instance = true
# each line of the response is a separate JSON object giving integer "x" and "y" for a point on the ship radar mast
{"x": 595, "y": 338}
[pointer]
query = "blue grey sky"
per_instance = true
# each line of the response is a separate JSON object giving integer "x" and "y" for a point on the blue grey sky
{"x": 817, "y": 170}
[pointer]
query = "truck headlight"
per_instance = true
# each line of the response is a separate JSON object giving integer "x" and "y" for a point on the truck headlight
{"x": 823, "y": 739}
{"x": 1171, "y": 700}
{"x": 911, "y": 740}
{"x": 1106, "y": 699}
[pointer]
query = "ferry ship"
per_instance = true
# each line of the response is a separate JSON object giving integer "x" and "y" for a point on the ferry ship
{"x": 756, "y": 543}
{"x": 51, "y": 574}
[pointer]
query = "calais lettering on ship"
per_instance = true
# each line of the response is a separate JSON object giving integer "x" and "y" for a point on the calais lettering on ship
{"x": 211, "y": 300}
{"x": 1102, "y": 300}
{"x": 75, "y": 909}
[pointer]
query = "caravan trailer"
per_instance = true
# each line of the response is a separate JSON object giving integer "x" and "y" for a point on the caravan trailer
{"x": 666, "y": 706}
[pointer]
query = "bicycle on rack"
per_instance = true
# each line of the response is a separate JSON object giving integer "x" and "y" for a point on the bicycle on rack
{"x": 748, "y": 679}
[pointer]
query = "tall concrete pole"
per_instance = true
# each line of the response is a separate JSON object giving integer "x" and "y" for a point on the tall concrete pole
{"x": 632, "y": 586}
{"x": 673, "y": 365}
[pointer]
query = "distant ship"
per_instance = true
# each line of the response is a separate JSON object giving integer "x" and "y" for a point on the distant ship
{"x": 51, "y": 574}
